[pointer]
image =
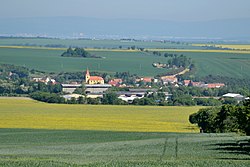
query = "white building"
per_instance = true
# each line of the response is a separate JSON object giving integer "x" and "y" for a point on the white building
{"x": 235, "y": 96}
{"x": 69, "y": 96}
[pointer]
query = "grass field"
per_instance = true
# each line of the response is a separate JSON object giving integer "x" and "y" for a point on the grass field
{"x": 35, "y": 134}
{"x": 46, "y": 59}
{"x": 16, "y": 113}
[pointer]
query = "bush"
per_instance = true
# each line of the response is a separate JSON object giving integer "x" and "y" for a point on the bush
{"x": 47, "y": 97}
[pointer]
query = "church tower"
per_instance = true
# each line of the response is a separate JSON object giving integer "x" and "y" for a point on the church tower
{"x": 87, "y": 76}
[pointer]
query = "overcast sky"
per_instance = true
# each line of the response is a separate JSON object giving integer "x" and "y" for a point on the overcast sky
{"x": 175, "y": 10}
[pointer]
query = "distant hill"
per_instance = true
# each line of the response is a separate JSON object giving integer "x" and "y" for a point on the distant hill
{"x": 118, "y": 28}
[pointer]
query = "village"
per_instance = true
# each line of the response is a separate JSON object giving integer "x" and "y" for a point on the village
{"x": 95, "y": 87}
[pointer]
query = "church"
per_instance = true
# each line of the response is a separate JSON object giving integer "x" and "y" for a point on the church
{"x": 92, "y": 80}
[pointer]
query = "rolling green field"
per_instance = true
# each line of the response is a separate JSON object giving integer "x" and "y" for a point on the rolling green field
{"x": 51, "y": 61}
{"x": 64, "y": 148}
{"x": 225, "y": 64}
{"x": 35, "y": 134}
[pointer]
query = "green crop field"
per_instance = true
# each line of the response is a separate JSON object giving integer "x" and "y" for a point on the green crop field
{"x": 51, "y": 61}
{"x": 225, "y": 64}
{"x": 234, "y": 65}
{"x": 64, "y": 148}
{"x": 39, "y": 134}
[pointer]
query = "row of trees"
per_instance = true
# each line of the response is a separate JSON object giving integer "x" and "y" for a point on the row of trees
{"x": 228, "y": 118}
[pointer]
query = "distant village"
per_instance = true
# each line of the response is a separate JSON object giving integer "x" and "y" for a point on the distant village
{"x": 95, "y": 87}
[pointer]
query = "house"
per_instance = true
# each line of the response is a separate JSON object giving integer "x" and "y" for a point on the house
{"x": 115, "y": 82}
{"x": 93, "y": 79}
{"x": 215, "y": 85}
{"x": 169, "y": 79}
{"x": 45, "y": 80}
{"x": 202, "y": 84}
{"x": 147, "y": 80}
{"x": 186, "y": 82}
{"x": 198, "y": 84}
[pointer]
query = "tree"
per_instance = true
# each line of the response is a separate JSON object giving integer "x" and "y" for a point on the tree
{"x": 205, "y": 119}
{"x": 225, "y": 120}
{"x": 110, "y": 98}
{"x": 242, "y": 114}
{"x": 93, "y": 101}
{"x": 81, "y": 100}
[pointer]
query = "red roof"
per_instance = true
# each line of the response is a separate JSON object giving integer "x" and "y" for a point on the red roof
{"x": 117, "y": 80}
{"x": 147, "y": 79}
{"x": 186, "y": 82}
{"x": 197, "y": 83}
{"x": 113, "y": 83}
{"x": 96, "y": 78}
{"x": 215, "y": 85}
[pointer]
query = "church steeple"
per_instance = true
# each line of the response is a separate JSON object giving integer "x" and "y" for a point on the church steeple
{"x": 87, "y": 76}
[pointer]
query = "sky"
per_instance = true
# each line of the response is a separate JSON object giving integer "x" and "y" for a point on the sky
{"x": 171, "y": 10}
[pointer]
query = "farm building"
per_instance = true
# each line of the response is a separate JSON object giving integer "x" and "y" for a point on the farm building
{"x": 70, "y": 96}
{"x": 96, "y": 88}
{"x": 89, "y": 88}
{"x": 130, "y": 96}
{"x": 235, "y": 96}
{"x": 70, "y": 88}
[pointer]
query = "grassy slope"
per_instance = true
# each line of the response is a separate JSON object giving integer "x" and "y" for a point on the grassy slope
{"x": 226, "y": 64}
{"x": 24, "y": 147}
{"x": 50, "y": 60}
{"x": 17, "y": 113}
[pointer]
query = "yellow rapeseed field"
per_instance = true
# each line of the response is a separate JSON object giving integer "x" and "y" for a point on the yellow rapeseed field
{"x": 201, "y": 51}
{"x": 237, "y": 47}
{"x": 21, "y": 113}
